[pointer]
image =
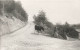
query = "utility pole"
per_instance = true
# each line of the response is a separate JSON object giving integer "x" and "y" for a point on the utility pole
{"x": 3, "y": 7}
{"x": 3, "y": 12}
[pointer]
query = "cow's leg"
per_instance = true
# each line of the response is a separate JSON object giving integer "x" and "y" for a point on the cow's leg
{"x": 38, "y": 32}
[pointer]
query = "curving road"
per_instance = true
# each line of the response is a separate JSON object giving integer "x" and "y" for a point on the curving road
{"x": 25, "y": 39}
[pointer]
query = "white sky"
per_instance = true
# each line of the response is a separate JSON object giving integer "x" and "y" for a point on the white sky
{"x": 57, "y": 11}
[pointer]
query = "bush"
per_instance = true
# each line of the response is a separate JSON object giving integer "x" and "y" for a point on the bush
{"x": 40, "y": 18}
{"x": 68, "y": 30}
{"x": 13, "y": 8}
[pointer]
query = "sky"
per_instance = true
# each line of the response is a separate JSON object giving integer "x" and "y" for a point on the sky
{"x": 57, "y": 11}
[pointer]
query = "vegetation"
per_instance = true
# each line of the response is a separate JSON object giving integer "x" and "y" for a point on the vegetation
{"x": 41, "y": 20}
{"x": 12, "y": 16}
{"x": 67, "y": 30}
{"x": 76, "y": 26}
{"x": 9, "y": 7}
{"x": 62, "y": 30}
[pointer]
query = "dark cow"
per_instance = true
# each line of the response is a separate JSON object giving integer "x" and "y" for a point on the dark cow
{"x": 39, "y": 28}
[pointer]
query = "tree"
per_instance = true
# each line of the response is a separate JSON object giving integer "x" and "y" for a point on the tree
{"x": 21, "y": 11}
{"x": 66, "y": 24}
{"x": 40, "y": 18}
{"x": 67, "y": 30}
{"x": 13, "y": 8}
{"x": 9, "y": 5}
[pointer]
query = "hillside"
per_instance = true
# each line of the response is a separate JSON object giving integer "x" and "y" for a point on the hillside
{"x": 25, "y": 39}
{"x": 12, "y": 16}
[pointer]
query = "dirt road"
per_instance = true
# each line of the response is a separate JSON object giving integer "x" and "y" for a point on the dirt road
{"x": 25, "y": 39}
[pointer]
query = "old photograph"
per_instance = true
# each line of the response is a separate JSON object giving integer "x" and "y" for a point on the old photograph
{"x": 39, "y": 24}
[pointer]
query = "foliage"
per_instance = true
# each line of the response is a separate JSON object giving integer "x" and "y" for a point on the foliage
{"x": 9, "y": 6}
{"x": 76, "y": 26}
{"x": 68, "y": 30}
{"x": 21, "y": 11}
{"x": 14, "y": 8}
{"x": 40, "y": 18}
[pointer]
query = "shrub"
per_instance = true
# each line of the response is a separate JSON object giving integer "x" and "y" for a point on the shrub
{"x": 68, "y": 30}
{"x": 13, "y": 7}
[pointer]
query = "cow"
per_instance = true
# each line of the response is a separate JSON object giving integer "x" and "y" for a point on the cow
{"x": 39, "y": 28}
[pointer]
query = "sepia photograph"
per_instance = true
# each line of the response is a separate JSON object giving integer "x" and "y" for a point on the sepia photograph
{"x": 39, "y": 24}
